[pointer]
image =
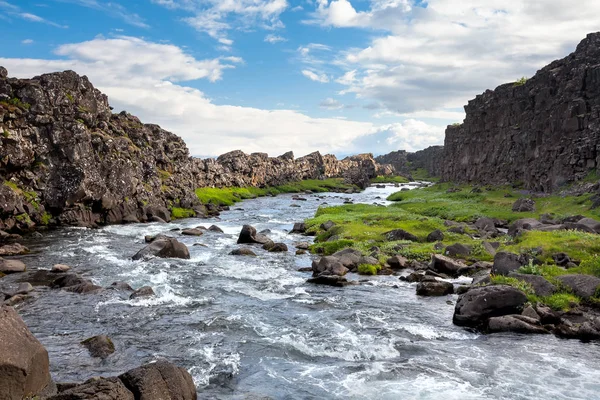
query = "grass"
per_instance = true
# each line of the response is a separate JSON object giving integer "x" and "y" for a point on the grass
{"x": 180, "y": 213}
{"x": 230, "y": 196}
{"x": 368, "y": 269}
{"x": 390, "y": 179}
{"x": 521, "y": 81}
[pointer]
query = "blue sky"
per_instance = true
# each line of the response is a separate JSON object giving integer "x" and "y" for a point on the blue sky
{"x": 340, "y": 76}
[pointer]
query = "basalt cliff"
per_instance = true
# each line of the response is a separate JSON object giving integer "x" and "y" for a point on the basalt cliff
{"x": 543, "y": 132}
{"x": 66, "y": 159}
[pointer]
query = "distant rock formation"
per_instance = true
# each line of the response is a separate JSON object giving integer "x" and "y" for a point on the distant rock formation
{"x": 405, "y": 163}
{"x": 65, "y": 158}
{"x": 543, "y": 132}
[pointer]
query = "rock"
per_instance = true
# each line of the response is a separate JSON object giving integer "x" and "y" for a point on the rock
{"x": 435, "y": 236}
{"x": 445, "y": 265}
{"x": 330, "y": 280}
{"x": 475, "y": 268}
{"x": 524, "y": 205}
{"x": 437, "y": 288}
{"x": 144, "y": 291}
{"x": 161, "y": 380}
{"x": 16, "y": 299}
{"x": 397, "y": 262}
{"x": 14, "y": 249}
{"x": 487, "y": 225}
{"x": 57, "y": 268}
{"x": 164, "y": 248}
{"x": 515, "y": 323}
{"x": 24, "y": 288}
{"x": 68, "y": 280}
{"x": 83, "y": 288}
{"x": 97, "y": 389}
{"x": 121, "y": 286}
{"x": 349, "y": 258}
{"x": 561, "y": 259}
{"x": 275, "y": 247}
{"x": 248, "y": 235}
{"x": 302, "y": 245}
{"x": 584, "y": 286}
{"x": 412, "y": 277}
{"x": 540, "y": 285}
{"x": 479, "y": 304}
{"x": 24, "y": 363}
{"x": 300, "y": 252}
{"x": 400, "y": 234}
{"x": 482, "y": 278}
{"x": 490, "y": 248}
{"x": 458, "y": 249}
{"x": 192, "y": 232}
{"x": 457, "y": 229}
{"x": 547, "y": 315}
{"x": 505, "y": 263}
{"x": 327, "y": 225}
{"x": 328, "y": 266}
{"x": 242, "y": 252}
{"x": 11, "y": 266}
{"x": 526, "y": 224}
{"x": 99, "y": 346}
{"x": 299, "y": 227}
{"x": 214, "y": 228}
{"x": 530, "y": 312}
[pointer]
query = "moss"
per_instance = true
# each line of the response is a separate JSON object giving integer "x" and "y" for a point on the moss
{"x": 179, "y": 213}
{"x": 24, "y": 218}
{"x": 15, "y": 101}
{"x": 5, "y": 133}
{"x": 328, "y": 248}
{"x": 164, "y": 175}
{"x": 13, "y": 186}
{"x": 367, "y": 269}
{"x": 514, "y": 282}
{"x": 46, "y": 218}
{"x": 390, "y": 179}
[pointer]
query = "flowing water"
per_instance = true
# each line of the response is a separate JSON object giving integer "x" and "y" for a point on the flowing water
{"x": 248, "y": 328}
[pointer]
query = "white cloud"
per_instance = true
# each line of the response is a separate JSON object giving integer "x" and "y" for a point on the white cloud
{"x": 348, "y": 78}
{"x": 16, "y": 11}
{"x": 270, "y": 38}
{"x": 297, "y": 8}
{"x": 317, "y": 77}
{"x": 342, "y": 14}
{"x": 113, "y": 9}
{"x": 27, "y": 41}
{"x": 331, "y": 104}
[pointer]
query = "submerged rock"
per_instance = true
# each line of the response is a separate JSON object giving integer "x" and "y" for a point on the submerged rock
{"x": 99, "y": 346}
{"x": 515, "y": 323}
{"x": 242, "y": 252}
{"x": 144, "y": 291}
{"x": 434, "y": 288}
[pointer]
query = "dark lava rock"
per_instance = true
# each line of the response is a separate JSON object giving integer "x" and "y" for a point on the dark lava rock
{"x": 505, "y": 263}
{"x": 330, "y": 280}
{"x": 242, "y": 252}
{"x": 192, "y": 232}
{"x": 275, "y": 247}
{"x": 100, "y": 346}
{"x": 164, "y": 248}
{"x": 435, "y": 288}
{"x": 458, "y": 249}
{"x": 327, "y": 225}
{"x": 524, "y": 205}
{"x": 397, "y": 262}
{"x": 479, "y": 304}
{"x": 561, "y": 259}
{"x": 445, "y": 265}
{"x": 248, "y": 235}
{"x": 457, "y": 229}
{"x": 121, "y": 286}
{"x": 475, "y": 268}
{"x": 96, "y": 389}
{"x": 328, "y": 266}
{"x": 299, "y": 227}
{"x": 144, "y": 291}
{"x": 214, "y": 228}
{"x": 83, "y": 288}
{"x": 400, "y": 234}
{"x": 540, "y": 285}
{"x": 161, "y": 380}
{"x": 584, "y": 286}
{"x": 435, "y": 236}
{"x": 486, "y": 224}
{"x": 515, "y": 323}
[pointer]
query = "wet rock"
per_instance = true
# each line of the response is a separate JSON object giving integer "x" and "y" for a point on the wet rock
{"x": 58, "y": 268}
{"x": 329, "y": 280}
{"x": 192, "y": 232}
{"x": 161, "y": 380}
{"x": 300, "y": 252}
{"x": 121, "y": 286}
{"x": 100, "y": 346}
{"x": 158, "y": 213}
{"x": 164, "y": 248}
{"x": 144, "y": 291}
{"x": 328, "y": 266}
{"x": 505, "y": 263}
{"x": 530, "y": 312}
{"x": 458, "y": 250}
{"x": 24, "y": 363}
{"x": 584, "y": 286}
{"x": 214, "y": 228}
{"x": 14, "y": 249}
{"x": 275, "y": 247}
{"x": 445, "y": 265}
{"x": 547, "y": 315}
{"x": 524, "y": 205}
{"x": 327, "y": 225}
{"x": 412, "y": 277}
{"x": 84, "y": 288}
{"x": 97, "y": 389}
{"x": 16, "y": 299}
{"x": 11, "y": 266}
{"x": 479, "y": 304}
{"x": 302, "y": 245}
{"x": 435, "y": 236}
{"x": 243, "y": 252}
{"x": 299, "y": 227}
{"x": 515, "y": 323}
{"x": 435, "y": 288}
{"x": 540, "y": 285}
{"x": 397, "y": 262}
{"x": 400, "y": 234}
{"x": 248, "y": 235}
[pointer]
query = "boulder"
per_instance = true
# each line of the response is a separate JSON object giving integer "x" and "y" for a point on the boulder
{"x": 302, "y": 245}
{"x": 328, "y": 265}
{"x": 164, "y": 248}
{"x": 160, "y": 380}
{"x": 435, "y": 288}
{"x": 458, "y": 250}
{"x": 412, "y": 277}
{"x": 14, "y": 249}
{"x": 158, "y": 213}
{"x": 457, "y": 229}
{"x": 524, "y": 205}
{"x": 487, "y": 225}
{"x": 349, "y": 258}
{"x": 57, "y": 268}
{"x": 475, "y": 268}
{"x": 242, "y": 252}
{"x": 100, "y": 346}
{"x": 479, "y": 304}
{"x": 400, "y": 234}
{"x": 119, "y": 285}
{"x": 530, "y": 312}
{"x": 300, "y": 252}
{"x": 275, "y": 247}
{"x": 540, "y": 285}
{"x": 84, "y": 288}
{"x": 505, "y": 263}
{"x": 445, "y": 265}
{"x": 299, "y": 227}
{"x": 98, "y": 389}
{"x": 24, "y": 363}
{"x": 248, "y": 235}
{"x": 327, "y": 225}
{"x": 214, "y": 228}
{"x": 435, "y": 236}
{"x": 481, "y": 278}
{"x": 584, "y": 286}
{"x": 525, "y": 224}
{"x": 329, "y": 280}
{"x": 515, "y": 323}
{"x": 11, "y": 266}
{"x": 192, "y": 232}
{"x": 397, "y": 262}
{"x": 144, "y": 291}
{"x": 67, "y": 280}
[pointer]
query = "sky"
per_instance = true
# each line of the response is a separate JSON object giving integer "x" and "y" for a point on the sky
{"x": 338, "y": 76}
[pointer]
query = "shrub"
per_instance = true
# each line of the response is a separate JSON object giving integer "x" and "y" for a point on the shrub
{"x": 521, "y": 81}
{"x": 367, "y": 269}
{"x": 179, "y": 213}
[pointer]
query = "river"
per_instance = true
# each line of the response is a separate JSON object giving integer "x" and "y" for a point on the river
{"x": 250, "y": 328}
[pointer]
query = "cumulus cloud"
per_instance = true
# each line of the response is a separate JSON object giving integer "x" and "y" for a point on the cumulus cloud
{"x": 315, "y": 76}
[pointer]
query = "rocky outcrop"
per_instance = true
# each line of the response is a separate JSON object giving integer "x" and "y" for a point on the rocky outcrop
{"x": 404, "y": 163}
{"x": 65, "y": 158}
{"x": 542, "y": 132}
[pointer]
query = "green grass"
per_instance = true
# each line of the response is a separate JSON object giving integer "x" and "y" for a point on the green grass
{"x": 421, "y": 174}
{"x": 179, "y": 213}
{"x": 560, "y": 301}
{"x": 367, "y": 269}
{"x": 390, "y": 179}
{"x": 521, "y": 81}
{"x": 514, "y": 282}
{"x": 578, "y": 245}
{"x": 230, "y": 196}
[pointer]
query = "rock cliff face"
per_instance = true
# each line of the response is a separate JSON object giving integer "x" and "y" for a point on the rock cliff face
{"x": 544, "y": 132}
{"x": 65, "y": 158}
{"x": 404, "y": 162}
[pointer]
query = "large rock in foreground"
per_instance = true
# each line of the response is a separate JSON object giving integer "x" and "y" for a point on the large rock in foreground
{"x": 248, "y": 235}
{"x": 158, "y": 381}
{"x": 98, "y": 389}
{"x": 24, "y": 364}
{"x": 164, "y": 247}
{"x": 479, "y": 304}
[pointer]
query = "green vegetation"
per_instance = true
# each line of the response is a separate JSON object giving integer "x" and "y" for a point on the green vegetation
{"x": 164, "y": 175}
{"x": 70, "y": 97}
{"x": 15, "y": 101}
{"x": 421, "y": 174}
{"x": 514, "y": 282}
{"x": 521, "y": 81}
{"x": 456, "y": 124}
{"x": 5, "y": 133}
{"x": 13, "y": 186}
{"x": 367, "y": 269}
{"x": 45, "y": 218}
{"x": 180, "y": 213}
{"x": 390, "y": 179}
{"x": 230, "y": 196}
